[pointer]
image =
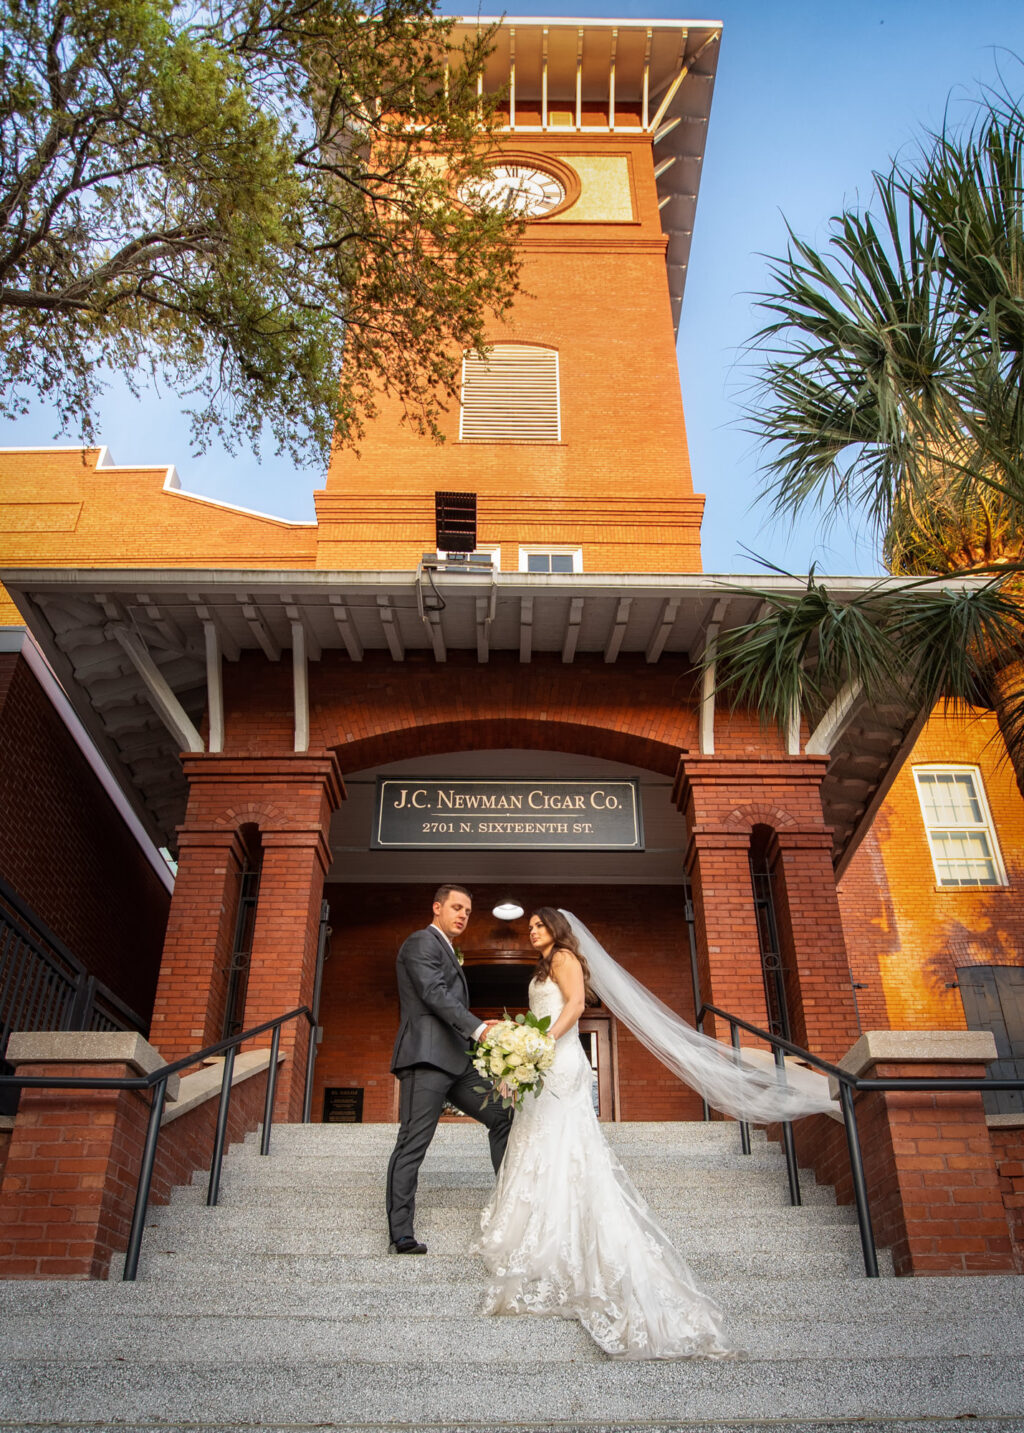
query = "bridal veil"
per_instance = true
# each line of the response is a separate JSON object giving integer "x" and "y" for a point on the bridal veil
{"x": 760, "y": 1096}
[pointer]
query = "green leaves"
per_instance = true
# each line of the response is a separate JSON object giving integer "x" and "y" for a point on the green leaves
{"x": 916, "y": 643}
{"x": 891, "y": 362}
{"x": 235, "y": 198}
{"x": 890, "y": 381}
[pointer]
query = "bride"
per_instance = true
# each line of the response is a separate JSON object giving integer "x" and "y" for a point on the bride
{"x": 565, "y": 1231}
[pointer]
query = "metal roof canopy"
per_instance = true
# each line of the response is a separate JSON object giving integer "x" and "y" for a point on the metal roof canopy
{"x": 651, "y": 77}
{"x": 140, "y": 654}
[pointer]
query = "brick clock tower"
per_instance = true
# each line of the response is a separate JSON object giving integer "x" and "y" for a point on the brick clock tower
{"x": 571, "y": 434}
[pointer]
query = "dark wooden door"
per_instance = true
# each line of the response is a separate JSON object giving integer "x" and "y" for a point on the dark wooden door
{"x": 993, "y": 997}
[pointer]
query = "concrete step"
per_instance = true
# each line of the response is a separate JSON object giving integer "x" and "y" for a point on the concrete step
{"x": 162, "y": 1259}
{"x": 677, "y": 1132}
{"x": 473, "y": 1158}
{"x": 334, "y": 1218}
{"x": 265, "y": 1390}
{"x": 451, "y": 1231}
{"x": 769, "y": 1197}
{"x": 841, "y": 1301}
{"x": 396, "y": 1338}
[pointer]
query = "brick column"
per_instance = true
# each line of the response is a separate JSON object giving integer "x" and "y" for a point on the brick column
{"x": 289, "y": 798}
{"x": 818, "y": 989}
{"x": 930, "y": 1166}
{"x": 728, "y": 954}
{"x": 283, "y": 964}
{"x": 69, "y": 1184}
{"x": 723, "y": 799}
{"x": 188, "y": 1011}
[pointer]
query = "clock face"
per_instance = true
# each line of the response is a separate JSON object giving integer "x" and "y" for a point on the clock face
{"x": 520, "y": 189}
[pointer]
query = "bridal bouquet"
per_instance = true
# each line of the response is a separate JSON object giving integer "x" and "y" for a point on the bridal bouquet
{"x": 515, "y": 1054}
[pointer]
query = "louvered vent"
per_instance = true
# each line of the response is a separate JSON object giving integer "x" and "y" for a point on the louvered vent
{"x": 511, "y": 396}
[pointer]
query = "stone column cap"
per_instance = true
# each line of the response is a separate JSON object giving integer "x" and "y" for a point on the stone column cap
{"x": 920, "y": 1047}
{"x": 88, "y": 1047}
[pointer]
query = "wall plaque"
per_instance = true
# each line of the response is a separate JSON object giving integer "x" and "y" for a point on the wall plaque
{"x": 473, "y": 815}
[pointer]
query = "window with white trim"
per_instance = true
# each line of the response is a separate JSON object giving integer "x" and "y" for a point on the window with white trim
{"x": 545, "y": 558}
{"x": 959, "y": 826}
{"x": 511, "y": 396}
{"x": 492, "y": 554}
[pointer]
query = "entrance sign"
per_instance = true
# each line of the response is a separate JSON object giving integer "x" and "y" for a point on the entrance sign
{"x": 507, "y": 815}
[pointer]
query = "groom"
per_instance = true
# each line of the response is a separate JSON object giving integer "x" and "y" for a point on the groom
{"x": 431, "y": 1059}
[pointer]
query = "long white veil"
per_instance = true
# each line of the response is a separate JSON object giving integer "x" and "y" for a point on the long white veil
{"x": 742, "y": 1090}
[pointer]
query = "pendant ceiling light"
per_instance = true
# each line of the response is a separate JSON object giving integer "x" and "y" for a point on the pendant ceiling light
{"x": 508, "y": 910}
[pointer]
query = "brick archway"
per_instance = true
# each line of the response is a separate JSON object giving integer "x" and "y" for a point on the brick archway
{"x": 437, "y": 738}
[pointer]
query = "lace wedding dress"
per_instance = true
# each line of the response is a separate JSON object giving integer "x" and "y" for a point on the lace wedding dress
{"x": 566, "y": 1233}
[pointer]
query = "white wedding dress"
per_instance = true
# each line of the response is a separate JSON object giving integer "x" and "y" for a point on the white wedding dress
{"x": 566, "y": 1233}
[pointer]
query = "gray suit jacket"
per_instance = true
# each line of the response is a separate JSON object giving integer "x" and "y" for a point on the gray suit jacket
{"x": 437, "y": 1025}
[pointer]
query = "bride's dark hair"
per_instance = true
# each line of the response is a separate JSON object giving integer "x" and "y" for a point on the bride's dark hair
{"x": 564, "y": 940}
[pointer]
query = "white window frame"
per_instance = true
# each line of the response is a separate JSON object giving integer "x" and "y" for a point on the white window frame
{"x": 986, "y": 826}
{"x": 485, "y": 549}
{"x": 549, "y": 549}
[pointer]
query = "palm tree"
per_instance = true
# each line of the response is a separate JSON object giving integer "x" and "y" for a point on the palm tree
{"x": 890, "y": 383}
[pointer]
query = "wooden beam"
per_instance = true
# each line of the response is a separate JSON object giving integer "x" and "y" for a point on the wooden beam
{"x": 257, "y": 625}
{"x": 206, "y": 613}
{"x": 706, "y": 719}
{"x": 214, "y": 686}
{"x": 823, "y": 738}
{"x": 667, "y": 620}
{"x": 579, "y": 79}
{"x": 793, "y": 731}
{"x": 345, "y": 625}
{"x": 294, "y": 613}
{"x": 544, "y": 82}
{"x": 572, "y": 629}
{"x": 647, "y": 82}
{"x": 165, "y": 702}
{"x": 618, "y": 631}
{"x": 392, "y": 635}
{"x": 484, "y": 617}
{"x": 525, "y": 628}
{"x": 300, "y": 686}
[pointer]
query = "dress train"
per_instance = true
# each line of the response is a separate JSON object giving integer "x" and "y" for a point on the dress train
{"x": 566, "y": 1233}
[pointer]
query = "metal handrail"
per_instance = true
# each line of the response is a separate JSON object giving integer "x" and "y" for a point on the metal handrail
{"x": 156, "y": 1080}
{"x": 848, "y": 1086}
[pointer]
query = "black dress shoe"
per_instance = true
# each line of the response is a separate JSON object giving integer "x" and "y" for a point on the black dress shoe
{"x": 408, "y": 1245}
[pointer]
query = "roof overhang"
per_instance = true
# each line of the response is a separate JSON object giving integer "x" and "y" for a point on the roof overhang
{"x": 137, "y": 650}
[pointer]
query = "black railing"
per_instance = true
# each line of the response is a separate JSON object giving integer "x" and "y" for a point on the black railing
{"x": 43, "y": 986}
{"x": 157, "y": 1082}
{"x": 849, "y": 1085}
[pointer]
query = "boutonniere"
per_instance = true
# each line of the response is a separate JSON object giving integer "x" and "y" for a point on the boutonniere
{"x": 458, "y": 955}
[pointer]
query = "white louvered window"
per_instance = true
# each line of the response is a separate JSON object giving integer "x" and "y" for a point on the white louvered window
{"x": 961, "y": 835}
{"x": 511, "y": 396}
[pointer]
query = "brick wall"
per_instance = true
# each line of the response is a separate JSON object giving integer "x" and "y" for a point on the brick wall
{"x": 1008, "y": 1146}
{"x": 377, "y": 710}
{"x": 67, "y": 852}
{"x": 68, "y": 1190}
{"x": 642, "y": 926}
{"x": 906, "y": 935}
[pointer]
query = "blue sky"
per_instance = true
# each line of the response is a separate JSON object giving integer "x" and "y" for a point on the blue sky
{"x": 810, "y": 98}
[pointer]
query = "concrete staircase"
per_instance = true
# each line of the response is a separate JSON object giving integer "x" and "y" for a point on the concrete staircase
{"x": 281, "y": 1309}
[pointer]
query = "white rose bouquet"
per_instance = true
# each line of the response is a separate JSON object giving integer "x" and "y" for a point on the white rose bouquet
{"x": 515, "y": 1054}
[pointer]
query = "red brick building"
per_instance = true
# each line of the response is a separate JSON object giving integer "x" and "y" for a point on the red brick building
{"x": 255, "y": 684}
